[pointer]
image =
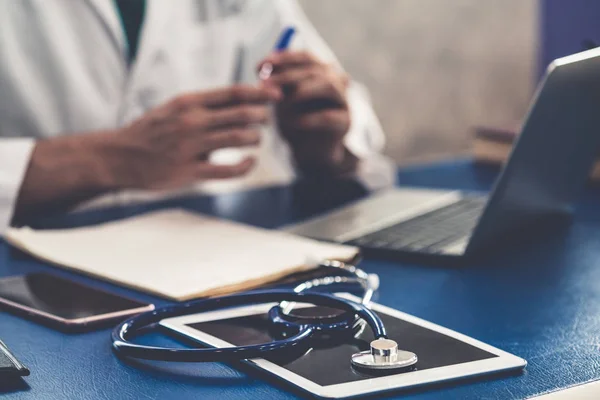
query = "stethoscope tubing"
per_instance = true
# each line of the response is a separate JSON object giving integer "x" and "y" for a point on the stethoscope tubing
{"x": 122, "y": 334}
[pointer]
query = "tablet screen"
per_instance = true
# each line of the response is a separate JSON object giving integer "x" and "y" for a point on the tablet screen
{"x": 329, "y": 364}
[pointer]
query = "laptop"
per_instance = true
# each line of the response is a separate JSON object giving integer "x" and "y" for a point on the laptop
{"x": 548, "y": 168}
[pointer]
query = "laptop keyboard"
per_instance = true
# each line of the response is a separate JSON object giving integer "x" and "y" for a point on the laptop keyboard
{"x": 430, "y": 232}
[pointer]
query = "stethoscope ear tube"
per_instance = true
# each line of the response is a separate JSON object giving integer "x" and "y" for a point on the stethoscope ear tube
{"x": 127, "y": 330}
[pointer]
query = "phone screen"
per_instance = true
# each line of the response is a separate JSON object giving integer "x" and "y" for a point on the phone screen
{"x": 62, "y": 298}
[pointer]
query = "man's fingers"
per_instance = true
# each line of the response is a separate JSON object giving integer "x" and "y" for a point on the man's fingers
{"x": 238, "y": 116}
{"x": 294, "y": 76}
{"x": 320, "y": 88}
{"x": 242, "y": 94}
{"x": 206, "y": 171}
{"x": 228, "y": 138}
{"x": 226, "y": 97}
{"x": 331, "y": 120}
{"x": 287, "y": 59}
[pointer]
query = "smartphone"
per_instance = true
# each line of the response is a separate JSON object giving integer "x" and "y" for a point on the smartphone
{"x": 65, "y": 304}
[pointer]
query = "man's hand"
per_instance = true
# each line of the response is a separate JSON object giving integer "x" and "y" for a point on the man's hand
{"x": 313, "y": 115}
{"x": 166, "y": 148}
{"x": 169, "y": 146}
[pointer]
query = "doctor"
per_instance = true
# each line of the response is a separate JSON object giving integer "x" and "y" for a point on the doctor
{"x": 113, "y": 101}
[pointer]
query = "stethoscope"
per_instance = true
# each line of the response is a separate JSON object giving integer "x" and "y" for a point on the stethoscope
{"x": 296, "y": 331}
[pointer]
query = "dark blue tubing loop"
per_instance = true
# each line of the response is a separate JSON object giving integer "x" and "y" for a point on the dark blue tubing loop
{"x": 301, "y": 335}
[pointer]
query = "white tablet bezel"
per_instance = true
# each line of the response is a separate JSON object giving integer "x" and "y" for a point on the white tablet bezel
{"x": 503, "y": 362}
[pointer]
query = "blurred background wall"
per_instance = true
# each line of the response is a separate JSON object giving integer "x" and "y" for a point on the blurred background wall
{"x": 435, "y": 68}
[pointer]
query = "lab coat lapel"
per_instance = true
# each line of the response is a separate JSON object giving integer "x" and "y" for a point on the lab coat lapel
{"x": 106, "y": 11}
{"x": 151, "y": 78}
{"x": 158, "y": 15}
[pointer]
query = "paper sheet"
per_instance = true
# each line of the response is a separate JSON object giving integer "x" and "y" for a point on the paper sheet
{"x": 177, "y": 254}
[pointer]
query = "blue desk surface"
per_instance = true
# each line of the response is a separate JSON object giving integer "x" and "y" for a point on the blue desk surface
{"x": 540, "y": 302}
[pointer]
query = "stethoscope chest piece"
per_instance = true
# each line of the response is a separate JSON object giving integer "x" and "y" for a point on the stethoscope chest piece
{"x": 384, "y": 355}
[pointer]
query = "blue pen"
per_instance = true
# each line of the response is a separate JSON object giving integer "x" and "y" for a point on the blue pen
{"x": 282, "y": 44}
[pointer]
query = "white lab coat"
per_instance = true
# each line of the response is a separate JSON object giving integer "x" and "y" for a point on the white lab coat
{"x": 63, "y": 70}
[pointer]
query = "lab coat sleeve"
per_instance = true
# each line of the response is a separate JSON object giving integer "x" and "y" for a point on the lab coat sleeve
{"x": 366, "y": 138}
{"x": 14, "y": 160}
